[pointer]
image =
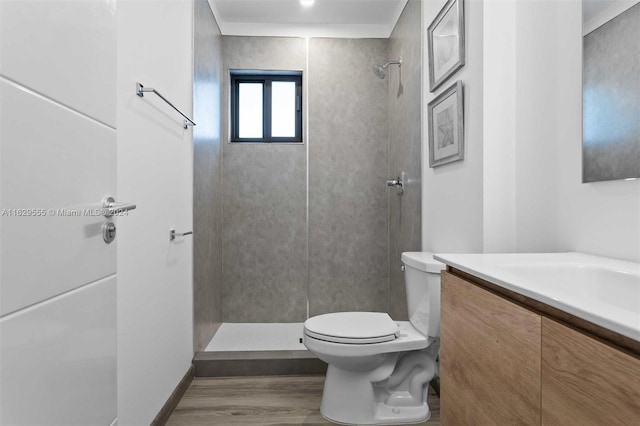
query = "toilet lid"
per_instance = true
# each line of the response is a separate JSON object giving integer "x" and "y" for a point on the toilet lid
{"x": 352, "y": 327}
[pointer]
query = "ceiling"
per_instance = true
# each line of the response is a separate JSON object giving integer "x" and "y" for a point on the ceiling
{"x": 592, "y": 8}
{"x": 597, "y": 12}
{"x": 325, "y": 18}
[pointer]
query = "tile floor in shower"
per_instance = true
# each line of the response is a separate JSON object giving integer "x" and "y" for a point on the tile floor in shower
{"x": 257, "y": 337}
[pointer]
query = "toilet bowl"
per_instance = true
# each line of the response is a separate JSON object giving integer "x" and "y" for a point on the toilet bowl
{"x": 379, "y": 369}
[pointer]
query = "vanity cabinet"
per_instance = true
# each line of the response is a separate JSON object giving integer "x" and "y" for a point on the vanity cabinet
{"x": 586, "y": 381}
{"x": 503, "y": 361}
{"x": 489, "y": 358}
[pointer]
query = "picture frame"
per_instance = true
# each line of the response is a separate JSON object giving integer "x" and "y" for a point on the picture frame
{"x": 445, "y": 40}
{"x": 446, "y": 126}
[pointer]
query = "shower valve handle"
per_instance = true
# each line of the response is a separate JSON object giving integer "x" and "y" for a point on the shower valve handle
{"x": 398, "y": 183}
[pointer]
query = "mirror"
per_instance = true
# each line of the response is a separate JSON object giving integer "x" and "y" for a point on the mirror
{"x": 610, "y": 90}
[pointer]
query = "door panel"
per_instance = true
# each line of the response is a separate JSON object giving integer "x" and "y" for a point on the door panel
{"x": 52, "y": 159}
{"x": 58, "y": 360}
{"x": 65, "y": 50}
{"x": 57, "y": 153}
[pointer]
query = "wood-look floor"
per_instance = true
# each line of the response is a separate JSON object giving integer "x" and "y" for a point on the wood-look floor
{"x": 274, "y": 400}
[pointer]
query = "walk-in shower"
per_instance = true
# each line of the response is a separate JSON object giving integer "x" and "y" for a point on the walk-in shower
{"x": 288, "y": 231}
{"x": 378, "y": 70}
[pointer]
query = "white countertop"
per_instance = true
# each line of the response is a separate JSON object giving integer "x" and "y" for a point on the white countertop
{"x": 600, "y": 290}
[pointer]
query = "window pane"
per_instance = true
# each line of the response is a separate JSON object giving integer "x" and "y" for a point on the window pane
{"x": 283, "y": 109}
{"x": 250, "y": 110}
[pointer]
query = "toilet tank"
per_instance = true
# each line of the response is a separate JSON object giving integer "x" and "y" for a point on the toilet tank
{"x": 422, "y": 284}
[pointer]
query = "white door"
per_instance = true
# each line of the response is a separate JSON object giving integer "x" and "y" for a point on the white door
{"x": 57, "y": 162}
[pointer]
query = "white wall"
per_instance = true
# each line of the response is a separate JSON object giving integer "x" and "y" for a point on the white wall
{"x": 541, "y": 97}
{"x": 555, "y": 211}
{"x": 601, "y": 218}
{"x": 522, "y": 191}
{"x": 499, "y": 141}
{"x": 452, "y": 194}
{"x": 155, "y": 323}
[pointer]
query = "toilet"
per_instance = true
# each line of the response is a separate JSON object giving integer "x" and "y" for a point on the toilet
{"x": 379, "y": 369}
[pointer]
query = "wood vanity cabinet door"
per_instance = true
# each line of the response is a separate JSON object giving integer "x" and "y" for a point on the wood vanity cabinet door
{"x": 489, "y": 358}
{"x": 586, "y": 382}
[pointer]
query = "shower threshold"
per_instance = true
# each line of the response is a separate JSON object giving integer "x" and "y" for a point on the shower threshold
{"x": 257, "y": 349}
{"x": 257, "y": 337}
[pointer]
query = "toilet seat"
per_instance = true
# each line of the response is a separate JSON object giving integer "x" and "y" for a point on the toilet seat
{"x": 352, "y": 327}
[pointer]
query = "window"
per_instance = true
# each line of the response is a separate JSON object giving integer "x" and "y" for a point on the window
{"x": 266, "y": 106}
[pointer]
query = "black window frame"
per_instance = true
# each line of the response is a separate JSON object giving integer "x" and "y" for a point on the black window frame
{"x": 266, "y": 78}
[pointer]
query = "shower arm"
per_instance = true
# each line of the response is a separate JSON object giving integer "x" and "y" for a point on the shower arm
{"x": 398, "y": 62}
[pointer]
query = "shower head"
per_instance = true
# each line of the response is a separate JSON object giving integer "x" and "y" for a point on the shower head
{"x": 378, "y": 70}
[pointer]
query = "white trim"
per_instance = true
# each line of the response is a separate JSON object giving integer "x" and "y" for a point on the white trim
{"x": 305, "y": 30}
{"x": 216, "y": 15}
{"x": 396, "y": 16}
{"x": 607, "y": 14}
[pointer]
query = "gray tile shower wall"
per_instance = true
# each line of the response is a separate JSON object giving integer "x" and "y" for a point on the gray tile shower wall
{"x": 348, "y": 127}
{"x": 264, "y": 230}
{"x": 264, "y": 257}
{"x": 361, "y": 131}
{"x": 207, "y": 166}
{"x": 404, "y": 149}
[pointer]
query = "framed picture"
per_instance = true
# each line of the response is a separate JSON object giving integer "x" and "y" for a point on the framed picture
{"x": 446, "y": 126}
{"x": 446, "y": 43}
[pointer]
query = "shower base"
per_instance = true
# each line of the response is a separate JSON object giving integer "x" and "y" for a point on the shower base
{"x": 257, "y": 349}
{"x": 257, "y": 337}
